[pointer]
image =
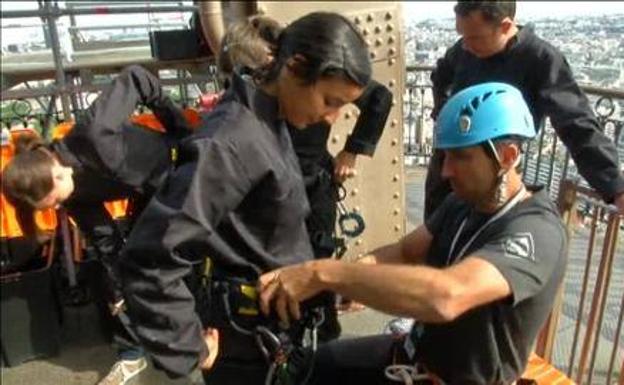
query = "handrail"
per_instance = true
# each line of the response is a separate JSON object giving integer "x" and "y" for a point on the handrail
{"x": 588, "y": 329}
{"x": 55, "y": 11}
{"x": 617, "y": 93}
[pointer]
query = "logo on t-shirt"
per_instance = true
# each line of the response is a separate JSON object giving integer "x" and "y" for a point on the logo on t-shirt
{"x": 520, "y": 245}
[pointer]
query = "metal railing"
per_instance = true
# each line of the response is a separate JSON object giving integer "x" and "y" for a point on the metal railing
{"x": 74, "y": 86}
{"x": 49, "y": 11}
{"x": 583, "y": 335}
{"x": 38, "y": 107}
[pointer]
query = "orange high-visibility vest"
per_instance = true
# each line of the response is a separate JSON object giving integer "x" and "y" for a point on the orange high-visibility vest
{"x": 46, "y": 219}
{"x": 118, "y": 209}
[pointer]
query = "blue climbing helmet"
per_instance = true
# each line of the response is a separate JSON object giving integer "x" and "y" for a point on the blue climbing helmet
{"x": 482, "y": 113}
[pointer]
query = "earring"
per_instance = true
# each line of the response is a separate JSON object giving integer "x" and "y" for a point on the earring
{"x": 501, "y": 189}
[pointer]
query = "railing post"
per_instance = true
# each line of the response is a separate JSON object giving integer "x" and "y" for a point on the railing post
{"x": 610, "y": 245}
{"x": 567, "y": 209}
{"x": 581, "y": 307}
{"x": 61, "y": 87}
{"x": 599, "y": 297}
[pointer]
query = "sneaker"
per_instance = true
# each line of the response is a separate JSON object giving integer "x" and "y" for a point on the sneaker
{"x": 123, "y": 371}
{"x": 399, "y": 326}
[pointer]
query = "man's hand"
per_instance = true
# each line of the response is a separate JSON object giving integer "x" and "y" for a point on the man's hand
{"x": 344, "y": 166}
{"x": 619, "y": 203}
{"x": 287, "y": 287}
{"x": 211, "y": 339}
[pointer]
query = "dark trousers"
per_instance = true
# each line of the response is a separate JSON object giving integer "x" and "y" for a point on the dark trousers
{"x": 239, "y": 362}
{"x": 359, "y": 361}
{"x": 436, "y": 188}
{"x": 322, "y": 195}
{"x": 116, "y": 329}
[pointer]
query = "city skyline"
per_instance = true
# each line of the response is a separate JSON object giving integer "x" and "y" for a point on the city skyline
{"x": 525, "y": 10}
{"x": 412, "y": 13}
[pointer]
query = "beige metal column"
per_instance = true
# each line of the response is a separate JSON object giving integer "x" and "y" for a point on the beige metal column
{"x": 378, "y": 190}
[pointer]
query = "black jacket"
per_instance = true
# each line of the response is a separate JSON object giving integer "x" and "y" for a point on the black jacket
{"x": 113, "y": 159}
{"x": 542, "y": 74}
{"x": 236, "y": 196}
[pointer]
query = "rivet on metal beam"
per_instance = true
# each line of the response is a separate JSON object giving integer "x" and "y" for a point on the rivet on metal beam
{"x": 396, "y": 195}
{"x": 392, "y": 51}
{"x": 357, "y": 209}
{"x": 396, "y": 178}
{"x": 396, "y": 211}
{"x": 393, "y": 102}
{"x": 388, "y": 16}
{"x": 373, "y": 55}
{"x": 377, "y": 29}
{"x": 389, "y": 28}
{"x": 394, "y": 123}
{"x": 357, "y": 20}
{"x": 347, "y": 115}
{"x": 378, "y": 42}
{"x": 391, "y": 83}
{"x": 391, "y": 40}
{"x": 392, "y": 61}
{"x": 358, "y": 242}
{"x": 369, "y": 18}
{"x": 397, "y": 228}
{"x": 395, "y": 160}
{"x": 335, "y": 138}
{"x": 368, "y": 42}
{"x": 365, "y": 31}
{"x": 354, "y": 192}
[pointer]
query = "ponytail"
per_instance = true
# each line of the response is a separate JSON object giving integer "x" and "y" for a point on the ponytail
{"x": 250, "y": 44}
{"x": 330, "y": 46}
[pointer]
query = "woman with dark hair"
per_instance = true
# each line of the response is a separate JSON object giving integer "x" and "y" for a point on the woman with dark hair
{"x": 250, "y": 46}
{"x": 103, "y": 158}
{"x": 236, "y": 197}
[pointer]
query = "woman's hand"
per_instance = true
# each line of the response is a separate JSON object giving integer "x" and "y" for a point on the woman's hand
{"x": 344, "y": 166}
{"x": 211, "y": 339}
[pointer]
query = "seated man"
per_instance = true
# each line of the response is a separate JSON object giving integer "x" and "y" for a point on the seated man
{"x": 479, "y": 276}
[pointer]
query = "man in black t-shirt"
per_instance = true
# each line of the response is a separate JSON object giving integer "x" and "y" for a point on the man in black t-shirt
{"x": 479, "y": 276}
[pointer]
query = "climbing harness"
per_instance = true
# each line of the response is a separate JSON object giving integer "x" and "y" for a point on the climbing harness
{"x": 350, "y": 223}
{"x": 285, "y": 358}
{"x": 287, "y": 350}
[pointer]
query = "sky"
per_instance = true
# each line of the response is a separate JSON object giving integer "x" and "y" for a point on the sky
{"x": 412, "y": 11}
{"x": 525, "y": 10}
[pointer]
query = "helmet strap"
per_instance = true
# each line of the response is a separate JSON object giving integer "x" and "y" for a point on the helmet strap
{"x": 495, "y": 152}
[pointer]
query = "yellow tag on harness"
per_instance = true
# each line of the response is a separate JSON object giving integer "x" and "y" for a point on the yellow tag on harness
{"x": 251, "y": 293}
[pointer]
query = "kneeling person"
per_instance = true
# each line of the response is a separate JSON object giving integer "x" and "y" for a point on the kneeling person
{"x": 479, "y": 276}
